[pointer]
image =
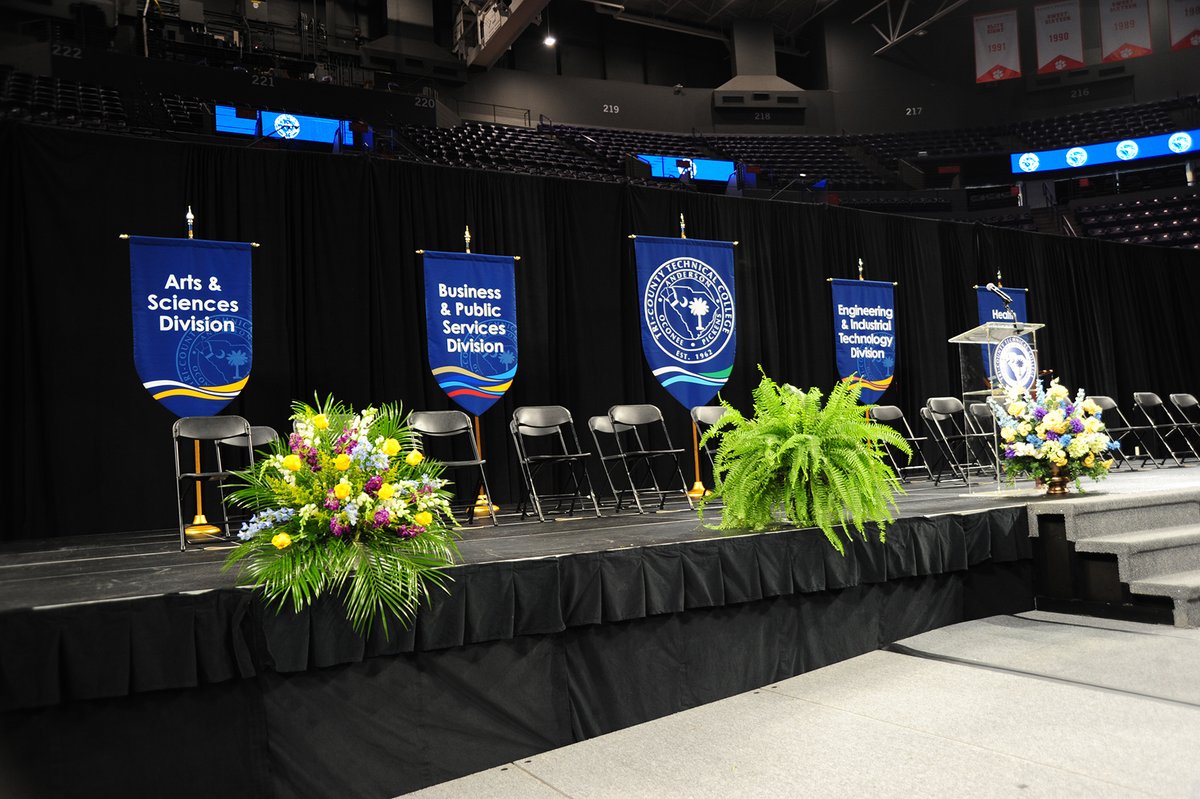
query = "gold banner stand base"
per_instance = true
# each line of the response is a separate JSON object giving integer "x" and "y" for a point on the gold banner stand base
{"x": 483, "y": 507}
{"x": 201, "y": 530}
{"x": 698, "y": 490}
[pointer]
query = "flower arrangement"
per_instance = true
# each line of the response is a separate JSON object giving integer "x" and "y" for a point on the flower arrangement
{"x": 1047, "y": 434}
{"x": 347, "y": 503}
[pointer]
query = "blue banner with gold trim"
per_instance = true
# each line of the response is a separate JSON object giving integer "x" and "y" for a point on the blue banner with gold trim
{"x": 471, "y": 325}
{"x": 685, "y": 288}
{"x": 193, "y": 340}
{"x": 864, "y": 322}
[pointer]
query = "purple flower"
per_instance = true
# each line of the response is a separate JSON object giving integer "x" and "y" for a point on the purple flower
{"x": 337, "y": 528}
{"x": 1039, "y": 413}
{"x": 372, "y": 485}
{"x": 1009, "y": 452}
{"x": 1051, "y": 435}
{"x": 331, "y": 501}
{"x": 295, "y": 442}
{"x": 382, "y": 517}
{"x": 409, "y": 531}
{"x": 1076, "y": 426}
{"x": 1069, "y": 409}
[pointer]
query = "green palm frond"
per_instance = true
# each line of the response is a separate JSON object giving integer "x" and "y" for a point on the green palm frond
{"x": 814, "y": 463}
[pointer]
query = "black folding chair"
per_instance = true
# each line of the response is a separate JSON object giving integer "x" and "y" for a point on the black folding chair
{"x": 634, "y": 429}
{"x": 892, "y": 416}
{"x": 1189, "y": 416}
{"x": 981, "y": 420}
{"x": 704, "y": 417}
{"x": 1163, "y": 423}
{"x": 261, "y": 437}
{"x": 451, "y": 425}
{"x": 1119, "y": 430}
{"x": 946, "y": 421}
{"x": 196, "y": 430}
{"x": 545, "y": 436}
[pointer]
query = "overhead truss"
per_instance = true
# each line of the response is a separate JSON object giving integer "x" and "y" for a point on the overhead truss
{"x": 892, "y": 15}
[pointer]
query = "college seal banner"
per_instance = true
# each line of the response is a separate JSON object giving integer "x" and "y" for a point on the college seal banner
{"x": 192, "y": 333}
{"x": 864, "y": 333}
{"x": 471, "y": 325}
{"x": 685, "y": 288}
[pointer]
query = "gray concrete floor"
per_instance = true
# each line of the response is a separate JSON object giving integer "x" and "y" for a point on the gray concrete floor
{"x": 1038, "y": 704}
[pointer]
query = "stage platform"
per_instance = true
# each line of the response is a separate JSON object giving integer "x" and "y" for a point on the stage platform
{"x": 551, "y": 633}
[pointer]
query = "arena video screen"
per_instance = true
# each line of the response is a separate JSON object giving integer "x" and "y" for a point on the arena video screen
{"x": 295, "y": 127}
{"x": 676, "y": 166}
{"x": 1181, "y": 142}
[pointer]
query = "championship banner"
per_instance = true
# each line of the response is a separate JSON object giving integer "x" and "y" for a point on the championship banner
{"x": 997, "y": 50}
{"x": 1185, "y": 23}
{"x": 471, "y": 325}
{"x": 1124, "y": 29}
{"x": 864, "y": 334}
{"x": 1059, "y": 41}
{"x": 685, "y": 287}
{"x": 192, "y": 333}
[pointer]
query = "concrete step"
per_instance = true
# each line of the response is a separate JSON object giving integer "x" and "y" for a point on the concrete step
{"x": 1111, "y": 514}
{"x": 1143, "y": 554}
{"x": 1182, "y": 587}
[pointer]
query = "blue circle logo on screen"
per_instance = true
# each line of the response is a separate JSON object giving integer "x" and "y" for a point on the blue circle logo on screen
{"x": 1127, "y": 150}
{"x": 1180, "y": 142}
{"x": 1014, "y": 363}
{"x": 287, "y": 126}
{"x": 1028, "y": 162}
{"x": 1077, "y": 156}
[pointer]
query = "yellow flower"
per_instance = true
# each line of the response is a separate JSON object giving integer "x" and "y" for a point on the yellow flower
{"x": 1057, "y": 391}
{"x": 1017, "y": 409}
{"x": 390, "y": 447}
{"x": 282, "y": 540}
{"x": 1092, "y": 424}
{"x": 1061, "y": 460}
{"x": 1089, "y": 406}
{"x": 414, "y": 458}
{"x": 1007, "y": 433}
{"x": 1024, "y": 429}
{"x": 292, "y": 463}
{"x": 341, "y": 490}
{"x": 386, "y": 491}
{"x": 320, "y": 421}
{"x": 342, "y": 462}
{"x": 1089, "y": 461}
{"x": 424, "y": 518}
{"x": 1108, "y": 463}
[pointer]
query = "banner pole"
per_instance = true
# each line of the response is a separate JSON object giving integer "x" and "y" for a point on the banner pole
{"x": 698, "y": 489}
{"x": 200, "y": 528}
{"x": 483, "y": 503}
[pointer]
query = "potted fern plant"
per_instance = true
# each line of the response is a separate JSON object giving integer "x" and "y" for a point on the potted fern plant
{"x": 813, "y": 464}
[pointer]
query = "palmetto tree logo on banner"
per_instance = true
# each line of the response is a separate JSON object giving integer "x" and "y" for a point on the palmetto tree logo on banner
{"x": 192, "y": 333}
{"x": 686, "y": 293}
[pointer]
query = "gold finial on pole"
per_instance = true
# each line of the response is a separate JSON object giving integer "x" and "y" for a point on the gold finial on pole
{"x": 467, "y": 237}
{"x": 999, "y": 278}
{"x": 860, "y": 274}
{"x": 682, "y": 227}
{"x": 191, "y": 219}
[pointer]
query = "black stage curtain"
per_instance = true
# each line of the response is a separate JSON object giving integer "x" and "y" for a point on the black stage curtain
{"x": 339, "y": 304}
{"x": 389, "y": 725}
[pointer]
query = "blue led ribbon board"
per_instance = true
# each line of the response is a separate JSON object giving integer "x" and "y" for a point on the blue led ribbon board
{"x": 674, "y": 166}
{"x": 275, "y": 125}
{"x": 1180, "y": 142}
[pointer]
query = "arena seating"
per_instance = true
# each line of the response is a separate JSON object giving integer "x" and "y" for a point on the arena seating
{"x": 1171, "y": 219}
{"x": 865, "y": 162}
